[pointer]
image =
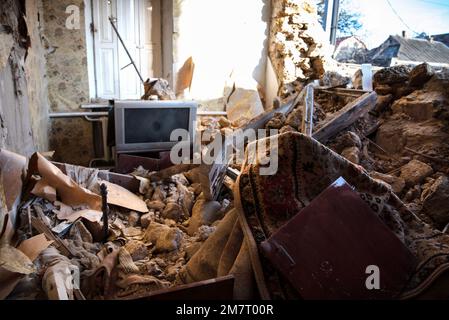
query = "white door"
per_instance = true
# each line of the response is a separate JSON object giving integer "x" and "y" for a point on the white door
{"x": 128, "y": 27}
{"x": 105, "y": 50}
{"x": 138, "y": 22}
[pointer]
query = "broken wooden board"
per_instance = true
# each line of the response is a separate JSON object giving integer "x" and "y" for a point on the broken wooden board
{"x": 42, "y": 228}
{"x": 122, "y": 197}
{"x": 32, "y": 247}
{"x": 346, "y": 116}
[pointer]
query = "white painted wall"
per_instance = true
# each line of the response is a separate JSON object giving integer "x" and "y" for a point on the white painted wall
{"x": 222, "y": 36}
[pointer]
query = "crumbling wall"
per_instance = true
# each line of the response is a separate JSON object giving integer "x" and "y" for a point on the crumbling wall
{"x": 297, "y": 47}
{"x": 23, "y": 89}
{"x": 68, "y": 81}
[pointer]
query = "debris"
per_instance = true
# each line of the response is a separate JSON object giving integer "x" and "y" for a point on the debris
{"x": 42, "y": 228}
{"x": 59, "y": 278}
{"x": 122, "y": 197}
{"x": 334, "y": 79}
{"x": 415, "y": 172}
{"x": 126, "y": 262}
{"x": 346, "y": 116}
{"x": 14, "y": 260}
{"x": 347, "y": 140}
{"x": 69, "y": 192}
{"x": 159, "y": 88}
{"x": 436, "y": 200}
{"x": 242, "y": 99}
{"x": 420, "y": 75}
{"x": 156, "y": 205}
{"x": 32, "y": 247}
{"x": 352, "y": 154}
{"x": 164, "y": 238}
{"x": 185, "y": 76}
{"x": 133, "y": 218}
{"x": 13, "y": 167}
{"x": 392, "y": 75}
{"x": 383, "y": 102}
{"x": 137, "y": 249}
{"x": 397, "y": 183}
{"x": 88, "y": 214}
{"x": 419, "y": 105}
{"x": 79, "y": 231}
{"x": 172, "y": 211}
{"x": 204, "y": 213}
{"x": 146, "y": 219}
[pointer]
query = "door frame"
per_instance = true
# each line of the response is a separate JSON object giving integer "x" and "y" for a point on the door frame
{"x": 167, "y": 29}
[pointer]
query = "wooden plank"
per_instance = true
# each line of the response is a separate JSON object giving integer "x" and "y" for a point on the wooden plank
{"x": 346, "y": 116}
{"x": 42, "y": 228}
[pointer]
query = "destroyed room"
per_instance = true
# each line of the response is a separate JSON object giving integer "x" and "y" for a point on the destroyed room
{"x": 222, "y": 150}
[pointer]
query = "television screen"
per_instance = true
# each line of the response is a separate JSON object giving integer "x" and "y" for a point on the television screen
{"x": 154, "y": 125}
{"x": 146, "y": 126}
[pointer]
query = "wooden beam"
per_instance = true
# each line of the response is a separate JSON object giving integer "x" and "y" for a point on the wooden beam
{"x": 347, "y": 116}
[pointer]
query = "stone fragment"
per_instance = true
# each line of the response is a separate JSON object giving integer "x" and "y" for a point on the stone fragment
{"x": 415, "y": 172}
{"x": 172, "y": 211}
{"x": 133, "y": 218}
{"x": 420, "y": 75}
{"x": 349, "y": 139}
{"x": 137, "y": 249}
{"x": 392, "y": 75}
{"x": 277, "y": 122}
{"x": 383, "y": 102}
{"x": 436, "y": 201}
{"x": 420, "y": 105}
{"x": 397, "y": 183}
{"x": 352, "y": 154}
{"x": 204, "y": 213}
{"x": 146, "y": 219}
{"x": 156, "y": 205}
{"x": 224, "y": 122}
{"x": 164, "y": 238}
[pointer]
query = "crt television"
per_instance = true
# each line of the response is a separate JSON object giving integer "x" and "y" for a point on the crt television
{"x": 145, "y": 126}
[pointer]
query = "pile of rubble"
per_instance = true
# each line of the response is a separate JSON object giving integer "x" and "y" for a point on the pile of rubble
{"x": 151, "y": 235}
{"x": 414, "y": 108}
{"x": 410, "y": 148}
{"x": 403, "y": 141}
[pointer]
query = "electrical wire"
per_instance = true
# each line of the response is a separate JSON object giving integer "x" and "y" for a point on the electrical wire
{"x": 400, "y": 18}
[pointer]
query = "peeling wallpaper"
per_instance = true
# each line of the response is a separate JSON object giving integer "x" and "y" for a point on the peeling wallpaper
{"x": 23, "y": 89}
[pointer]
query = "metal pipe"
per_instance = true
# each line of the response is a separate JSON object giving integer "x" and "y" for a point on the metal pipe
{"x": 334, "y": 25}
{"x": 78, "y": 114}
{"x": 126, "y": 49}
{"x": 105, "y": 114}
